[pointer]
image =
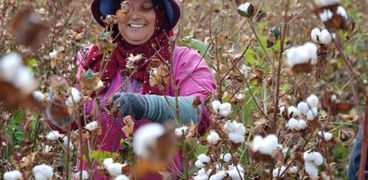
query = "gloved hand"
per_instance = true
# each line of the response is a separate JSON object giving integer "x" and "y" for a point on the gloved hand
{"x": 131, "y": 104}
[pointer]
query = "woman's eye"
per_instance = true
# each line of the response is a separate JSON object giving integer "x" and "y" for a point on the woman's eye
{"x": 147, "y": 7}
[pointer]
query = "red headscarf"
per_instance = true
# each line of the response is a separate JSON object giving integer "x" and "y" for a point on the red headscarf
{"x": 158, "y": 47}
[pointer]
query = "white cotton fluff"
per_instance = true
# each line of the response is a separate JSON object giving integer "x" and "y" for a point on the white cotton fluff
{"x": 204, "y": 158}
{"x": 293, "y": 169}
{"x": 224, "y": 109}
{"x": 115, "y": 169}
{"x": 218, "y": 176}
{"x": 213, "y": 137}
{"x": 53, "y": 135}
{"x": 311, "y": 169}
{"x": 244, "y": 7}
{"x": 53, "y": 54}
{"x": 145, "y": 137}
{"x": 325, "y": 135}
{"x": 342, "y": 12}
{"x": 122, "y": 177}
{"x": 236, "y": 172}
{"x": 92, "y": 125}
{"x": 25, "y": 80}
{"x": 74, "y": 98}
{"x": 277, "y": 172}
{"x": 84, "y": 175}
{"x": 282, "y": 110}
{"x": 107, "y": 162}
{"x": 226, "y": 157}
{"x": 38, "y": 95}
{"x": 182, "y": 131}
{"x": 293, "y": 111}
{"x": 312, "y": 114}
{"x": 325, "y": 15}
{"x": 266, "y": 145}
{"x": 321, "y": 37}
{"x": 306, "y": 53}
{"x": 236, "y": 131}
{"x": 99, "y": 85}
{"x": 8, "y": 66}
{"x": 312, "y": 100}
{"x": 315, "y": 157}
{"x": 12, "y": 175}
{"x": 325, "y": 2}
{"x": 202, "y": 174}
{"x": 65, "y": 143}
{"x": 43, "y": 172}
{"x": 303, "y": 107}
{"x": 294, "y": 124}
{"x": 199, "y": 164}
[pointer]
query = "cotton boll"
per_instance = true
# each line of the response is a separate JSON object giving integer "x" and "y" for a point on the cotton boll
{"x": 297, "y": 55}
{"x": 181, "y": 131}
{"x": 325, "y": 37}
{"x": 213, "y": 137}
{"x": 303, "y": 107}
{"x": 204, "y": 158}
{"x": 12, "y": 175}
{"x": 226, "y": 157}
{"x": 325, "y": 135}
{"x": 8, "y": 66}
{"x": 225, "y": 109}
{"x": 270, "y": 143}
{"x": 53, "y": 135}
{"x": 53, "y": 54}
{"x": 318, "y": 158}
{"x": 84, "y": 175}
{"x": 312, "y": 114}
{"x": 315, "y": 35}
{"x": 199, "y": 164}
{"x": 342, "y": 12}
{"x": 107, "y": 161}
{"x": 312, "y": 100}
{"x": 92, "y": 125}
{"x": 145, "y": 137}
{"x": 115, "y": 169}
{"x": 236, "y": 173}
{"x": 302, "y": 124}
{"x": 256, "y": 143}
{"x": 325, "y": 15}
{"x": 293, "y": 111}
{"x": 24, "y": 80}
{"x": 325, "y": 2}
{"x": 65, "y": 143}
{"x": 236, "y": 138}
{"x": 74, "y": 98}
{"x": 278, "y": 171}
{"x": 122, "y": 177}
{"x": 311, "y": 169}
{"x": 311, "y": 50}
{"x": 218, "y": 176}
{"x": 246, "y": 9}
{"x": 38, "y": 95}
{"x": 43, "y": 172}
{"x": 292, "y": 123}
{"x": 216, "y": 105}
{"x": 293, "y": 169}
{"x": 202, "y": 175}
{"x": 99, "y": 85}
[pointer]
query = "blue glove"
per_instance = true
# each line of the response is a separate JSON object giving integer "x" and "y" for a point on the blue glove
{"x": 156, "y": 108}
{"x": 130, "y": 104}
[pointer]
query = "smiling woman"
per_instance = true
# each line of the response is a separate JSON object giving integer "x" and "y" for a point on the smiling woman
{"x": 139, "y": 26}
{"x": 142, "y": 76}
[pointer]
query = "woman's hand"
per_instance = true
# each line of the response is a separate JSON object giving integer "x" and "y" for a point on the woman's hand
{"x": 125, "y": 104}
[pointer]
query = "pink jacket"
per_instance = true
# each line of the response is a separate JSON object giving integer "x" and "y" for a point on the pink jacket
{"x": 192, "y": 78}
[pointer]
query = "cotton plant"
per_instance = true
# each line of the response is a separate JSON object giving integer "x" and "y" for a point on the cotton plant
{"x": 327, "y": 136}
{"x": 113, "y": 168}
{"x": 236, "y": 131}
{"x": 202, "y": 160}
{"x": 84, "y": 174}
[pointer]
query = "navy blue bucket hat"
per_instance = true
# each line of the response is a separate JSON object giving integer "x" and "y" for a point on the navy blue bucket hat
{"x": 102, "y": 8}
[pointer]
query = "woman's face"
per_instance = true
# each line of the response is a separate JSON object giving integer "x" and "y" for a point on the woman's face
{"x": 139, "y": 25}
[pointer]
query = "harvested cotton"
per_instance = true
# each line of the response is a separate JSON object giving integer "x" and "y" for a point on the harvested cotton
{"x": 92, "y": 125}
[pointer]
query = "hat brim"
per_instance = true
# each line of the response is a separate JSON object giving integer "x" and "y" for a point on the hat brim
{"x": 171, "y": 6}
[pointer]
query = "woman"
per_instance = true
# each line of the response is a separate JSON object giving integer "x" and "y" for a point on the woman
{"x": 143, "y": 39}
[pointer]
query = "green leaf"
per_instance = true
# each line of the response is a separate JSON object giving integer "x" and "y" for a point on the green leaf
{"x": 102, "y": 155}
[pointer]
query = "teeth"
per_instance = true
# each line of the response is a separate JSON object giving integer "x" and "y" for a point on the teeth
{"x": 136, "y": 25}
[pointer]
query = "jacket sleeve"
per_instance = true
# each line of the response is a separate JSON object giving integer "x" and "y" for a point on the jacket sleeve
{"x": 194, "y": 78}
